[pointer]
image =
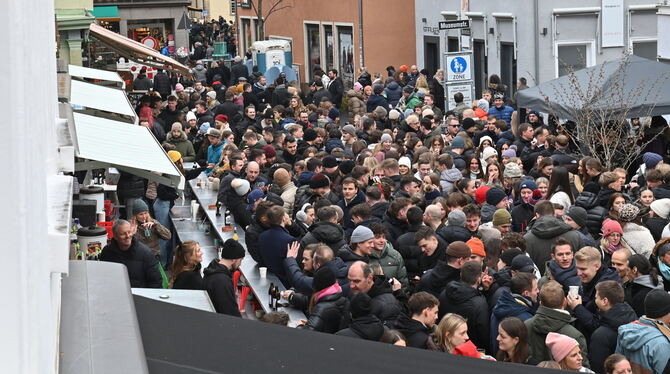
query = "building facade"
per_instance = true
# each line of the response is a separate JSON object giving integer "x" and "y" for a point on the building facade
{"x": 73, "y": 18}
{"x": 538, "y": 40}
{"x": 344, "y": 35}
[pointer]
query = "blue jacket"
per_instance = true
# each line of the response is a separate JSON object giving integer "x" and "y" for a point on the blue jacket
{"x": 273, "y": 244}
{"x": 504, "y": 113}
{"x": 376, "y": 100}
{"x": 644, "y": 345}
{"x": 509, "y": 305}
{"x": 393, "y": 93}
{"x": 347, "y": 222}
{"x": 213, "y": 155}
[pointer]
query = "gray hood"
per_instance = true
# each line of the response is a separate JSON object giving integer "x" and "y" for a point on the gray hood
{"x": 645, "y": 280}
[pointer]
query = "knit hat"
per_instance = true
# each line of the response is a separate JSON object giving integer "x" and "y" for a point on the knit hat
{"x": 281, "y": 177}
{"x": 501, "y": 217}
{"x": 241, "y": 186}
{"x": 221, "y": 118}
{"x": 178, "y": 87}
{"x": 139, "y": 206}
{"x": 480, "y": 194}
{"x": 494, "y": 196}
{"x": 512, "y": 170}
{"x": 213, "y": 132}
{"x": 560, "y": 345}
{"x": 651, "y": 159}
{"x": 254, "y": 196}
{"x": 628, "y": 212}
{"x": 176, "y": 126}
{"x": 529, "y": 184}
{"x": 378, "y": 89}
{"x": 361, "y": 234}
{"x": 319, "y": 180}
{"x": 349, "y": 129}
{"x": 380, "y": 112}
{"x": 489, "y": 152}
{"x": 323, "y": 278}
{"x": 270, "y": 151}
{"x": 458, "y": 142}
{"x": 476, "y": 247}
{"x": 347, "y": 166}
{"x": 394, "y": 114}
{"x": 174, "y": 156}
{"x": 662, "y": 250}
{"x": 510, "y": 152}
{"x": 509, "y": 255}
{"x": 386, "y": 138}
{"x": 578, "y": 214}
{"x": 330, "y": 162}
{"x": 657, "y": 303}
{"x": 190, "y": 116}
{"x": 404, "y": 160}
{"x": 456, "y": 218}
{"x": 403, "y": 68}
{"x": 204, "y": 128}
{"x": 427, "y": 112}
{"x": 523, "y": 264}
{"x": 661, "y": 207}
{"x": 232, "y": 250}
{"x": 358, "y": 87}
{"x": 211, "y": 94}
{"x": 408, "y": 89}
{"x": 359, "y": 305}
{"x": 468, "y": 123}
{"x": 485, "y": 137}
{"x": 610, "y": 226}
{"x": 458, "y": 249}
{"x": 333, "y": 113}
{"x": 309, "y": 135}
{"x": 483, "y": 104}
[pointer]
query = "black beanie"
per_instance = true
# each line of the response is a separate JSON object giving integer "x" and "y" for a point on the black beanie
{"x": 309, "y": 135}
{"x": 323, "y": 278}
{"x": 360, "y": 305}
{"x": 232, "y": 250}
{"x": 467, "y": 123}
{"x": 508, "y": 255}
{"x": 578, "y": 214}
{"x": 494, "y": 196}
{"x": 347, "y": 166}
{"x": 657, "y": 304}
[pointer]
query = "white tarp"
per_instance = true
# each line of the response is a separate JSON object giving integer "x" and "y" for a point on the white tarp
{"x": 82, "y": 72}
{"x": 94, "y": 96}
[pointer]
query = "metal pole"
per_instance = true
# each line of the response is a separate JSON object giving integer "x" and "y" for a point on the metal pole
{"x": 360, "y": 33}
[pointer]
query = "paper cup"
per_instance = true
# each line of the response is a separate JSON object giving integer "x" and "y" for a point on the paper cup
{"x": 574, "y": 291}
{"x": 194, "y": 210}
{"x": 263, "y": 271}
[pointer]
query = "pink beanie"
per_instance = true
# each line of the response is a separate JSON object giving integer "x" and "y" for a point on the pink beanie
{"x": 610, "y": 226}
{"x": 178, "y": 87}
{"x": 358, "y": 87}
{"x": 560, "y": 345}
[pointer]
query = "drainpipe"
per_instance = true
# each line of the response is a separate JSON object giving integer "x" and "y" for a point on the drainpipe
{"x": 536, "y": 32}
{"x": 360, "y": 33}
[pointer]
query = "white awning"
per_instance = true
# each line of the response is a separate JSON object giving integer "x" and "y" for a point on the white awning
{"x": 127, "y": 147}
{"x": 102, "y": 75}
{"x": 92, "y": 96}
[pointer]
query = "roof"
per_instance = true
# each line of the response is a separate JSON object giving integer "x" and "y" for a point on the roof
{"x": 136, "y": 51}
{"x": 93, "y": 96}
{"x": 103, "y": 75}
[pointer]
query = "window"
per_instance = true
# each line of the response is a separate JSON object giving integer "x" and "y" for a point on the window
{"x": 247, "y": 37}
{"x": 313, "y": 49}
{"x": 452, "y": 44}
{"x": 345, "y": 55}
{"x": 481, "y": 66}
{"x": 431, "y": 53}
{"x": 330, "y": 47}
{"x": 508, "y": 67}
{"x": 645, "y": 49}
{"x": 573, "y": 57}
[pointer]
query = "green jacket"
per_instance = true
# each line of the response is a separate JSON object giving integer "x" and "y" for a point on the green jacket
{"x": 391, "y": 262}
{"x": 413, "y": 101}
{"x": 548, "y": 320}
{"x": 183, "y": 146}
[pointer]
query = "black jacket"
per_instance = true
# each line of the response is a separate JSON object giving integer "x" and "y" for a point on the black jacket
{"x": 395, "y": 228}
{"x": 218, "y": 282}
{"x": 416, "y": 333}
{"x": 367, "y": 327}
{"x": 662, "y": 191}
{"x": 349, "y": 256}
{"x": 468, "y": 302}
{"x": 383, "y": 304}
{"x": 319, "y": 95}
{"x": 379, "y": 210}
{"x": 636, "y": 291}
{"x": 162, "y": 85}
{"x": 327, "y": 233}
{"x": 189, "y": 280}
{"x": 586, "y": 313}
{"x": 129, "y": 186}
{"x": 336, "y": 89}
{"x": 251, "y": 235}
{"x": 410, "y": 252}
{"x": 140, "y": 262}
{"x": 435, "y": 280}
{"x": 231, "y": 110}
{"x": 238, "y": 70}
{"x": 454, "y": 233}
{"x": 330, "y": 314}
{"x": 603, "y": 340}
{"x": 594, "y": 212}
{"x": 522, "y": 214}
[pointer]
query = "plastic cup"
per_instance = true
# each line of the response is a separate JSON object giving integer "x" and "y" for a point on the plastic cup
{"x": 263, "y": 271}
{"x": 574, "y": 291}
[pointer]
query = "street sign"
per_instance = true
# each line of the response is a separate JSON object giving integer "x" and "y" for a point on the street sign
{"x": 466, "y": 88}
{"x": 459, "y": 67}
{"x": 451, "y": 25}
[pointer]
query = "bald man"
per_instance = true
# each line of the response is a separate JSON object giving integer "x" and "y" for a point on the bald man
{"x": 433, "y": 217}
{"x": 254, "y": 176}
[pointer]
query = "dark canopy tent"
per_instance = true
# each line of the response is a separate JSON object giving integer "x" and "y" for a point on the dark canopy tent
{"x": 184, "y": 340}
{"x": 639, "y": 82}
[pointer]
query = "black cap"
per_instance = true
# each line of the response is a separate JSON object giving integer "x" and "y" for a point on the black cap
{"x": 523, "y": 264}
{"x": 323, "y": 278}
{"x": 509, "y": 255}
{"x": 657, "y": 304}
{"x": 232, "y": 250}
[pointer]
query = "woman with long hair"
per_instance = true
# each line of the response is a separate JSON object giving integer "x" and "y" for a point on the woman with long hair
{"x": 149, "y": 232}
{"x": 492, "y": 175}
{"x": 638, "y": 237}
{"x": 451, "y": 332}
{"x": 566, "y": 351}
{"x": 473, "y": 169}
{"x": 614, "y": 204}
{"x": 582, "y": 177}
{"x": 559, "y": 190}
{"x": 186, "y": 265}
{"x": 643, "y": 278}
{"x": 512, "y": 341}
{"x": 296, "y": 104}
{"x": 612, "y": 240}
{"x": 437, "y": 145}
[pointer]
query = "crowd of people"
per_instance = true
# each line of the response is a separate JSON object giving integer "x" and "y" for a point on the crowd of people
{"x": 475, "y": 230}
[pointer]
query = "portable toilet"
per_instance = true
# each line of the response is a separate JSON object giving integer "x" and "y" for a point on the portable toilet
{"x": 269, "y": 53}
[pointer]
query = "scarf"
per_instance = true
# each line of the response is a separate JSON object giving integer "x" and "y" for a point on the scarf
{"x": 335, "y": 288}
{"x": 664, "y": 269}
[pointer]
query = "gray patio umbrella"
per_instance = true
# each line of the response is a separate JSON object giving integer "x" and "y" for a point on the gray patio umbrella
{"x": 631, "y": 86}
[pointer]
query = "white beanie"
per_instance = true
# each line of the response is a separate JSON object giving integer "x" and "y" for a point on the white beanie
{"x": 488, "y": 152}
{"x": 404, "y": 160}
{"x": 190, "y": 116}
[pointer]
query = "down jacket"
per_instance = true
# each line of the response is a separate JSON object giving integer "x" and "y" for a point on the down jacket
{"x": 356, "y": 103}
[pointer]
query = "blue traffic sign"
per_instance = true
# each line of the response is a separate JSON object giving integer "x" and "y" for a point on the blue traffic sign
{"x": 458, "y": 65}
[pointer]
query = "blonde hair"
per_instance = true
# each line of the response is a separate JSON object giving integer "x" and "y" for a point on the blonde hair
{"x": 588, "y": 254}
{"x": 448, "y": 325}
